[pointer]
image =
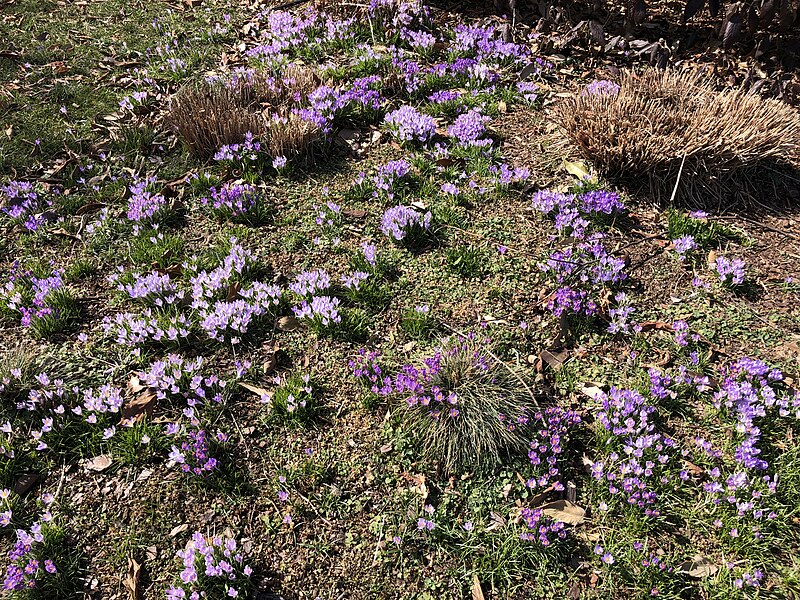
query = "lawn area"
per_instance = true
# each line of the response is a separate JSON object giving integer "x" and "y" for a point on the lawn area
{"x": 320, "y": 301}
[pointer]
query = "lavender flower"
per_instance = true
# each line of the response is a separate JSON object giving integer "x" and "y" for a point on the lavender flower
{"x": 402, "y": 222}
{"x": 309, "y": 283}
{"x": 684, "y": 245}
{"x": 409, "y": 125}
{"x": 601, "y": 87}
{"x": 144, "y": 205}
{"x": 731, "y": 271}
{"x": 468, "y": 129}
{"x": 322, "y": 311}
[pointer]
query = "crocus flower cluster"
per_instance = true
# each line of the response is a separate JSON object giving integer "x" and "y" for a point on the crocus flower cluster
{"x": 232, "y": 201}
{"x": 152, "y": 289}
{"x": 24, "y": 569}
{"x": 730, "y": 271}
{"x": 144, "y": 205}
{"x": 352, "y": 281}
{"x": 636, "y": 466}
{"x": 36, "y": 300}
{"x": 409, "y": 125}
{"x": 506, "y": 176}
{"x": 366, "y": 367}
{"x": 419, "y": 385}
{"x": 247, "y": 150}
{"x": 584, "y": 268}
{"x": 212, "y": 568}
{"x": 574, "y": 213}
{"x": 388, "y": 175}
{"x": 193, "y": 455}
{"x": 328, "y": 106}
{"x": 328, "y": 215}
{"x": 482, "y": 43}
{"x": 543, "y": 529}
{"x": 468, "y": 130}
{"x": 222, "y": 305}
{"x": 21, "y": 202}
{"x": 402, "y": 222}
{"x": 46, "y": 406}
{"x": 321, "y": 311}
{"x": 553, "y": 425}
{"x": 602, "y": 87}
{"x": 308, "y": 283}
{"x": 684, "y": 245}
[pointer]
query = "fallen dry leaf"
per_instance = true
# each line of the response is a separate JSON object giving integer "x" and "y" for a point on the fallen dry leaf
{"x": 142, "y": 404}
{"x": 25, "y": 483}
{"x": 554, "y": 360}
{"x": 699, "y": 567}
{"x": 287, "y": 323}
{"x": 131, "y": 581}
{"x": 99, "y": 463}
{"x": 564, "y": 511}
{"x": 179, "y": 529}
{"x": 477, "y": 591}
{"x": 578, "y": 169}
{"x": 657, "y": 325}
{"x": 258, "y": 391}
{"x": 271, "y": 361}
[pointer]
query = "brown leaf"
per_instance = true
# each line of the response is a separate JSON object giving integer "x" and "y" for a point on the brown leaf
{"x": 699, "y": 567}
{"x": 354, "y": 213}
{"x": 233, "y": 291}
{"x": 89, "y": 208}
{"x": 477, "y": 591}
{"x": 564, "y": 511}
{"x": 271, "y": 361}
{"x": 657, "y": 325}
{"x": 712, "y": 258}
{"x": 287, "y": 323}
{"x": 693, "y": 468}
{"x": 131, "y": 581}
{"x": 554, "y": 360}
{"x": 497, "y": 522}
{"x": 99, "y": 463}
{"x": 179, "y": 529}
{"x": 578, "y": 169}
{"x": 25, "y": 483}
{"x": 134, "y": 385}
{"x": 258, "y": 391}
{"x": 141, "y": 405}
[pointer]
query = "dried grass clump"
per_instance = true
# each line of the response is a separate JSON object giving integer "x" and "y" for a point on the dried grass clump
{"x": 660, "y": 120}
{"x": 213, "y": 113}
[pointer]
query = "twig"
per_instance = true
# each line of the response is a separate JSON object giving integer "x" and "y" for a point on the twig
{"x": 677, "y": 181}
{"x": 788, "y": 234}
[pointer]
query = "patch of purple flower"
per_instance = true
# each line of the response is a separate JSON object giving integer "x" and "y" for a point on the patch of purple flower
{"x": 468, "y": 129}
{"x": 404, "y": 223}
{"x": 213, "y": 567}
{"x": 730, "y": 271}
{"x": 409, "y": 125}
{"x": 144, "y": 205}
{"x": 602, "y": 87}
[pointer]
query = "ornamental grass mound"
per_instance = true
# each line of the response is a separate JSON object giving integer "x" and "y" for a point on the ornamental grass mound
{"x": 465, "y": 409}
{"x": 213, "y": 113}
{"x": 659, "y": 124}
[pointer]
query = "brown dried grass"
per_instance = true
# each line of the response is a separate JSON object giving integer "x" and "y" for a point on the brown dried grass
{"x": 207, "y": 115}
{"x": 661, "y": 120}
